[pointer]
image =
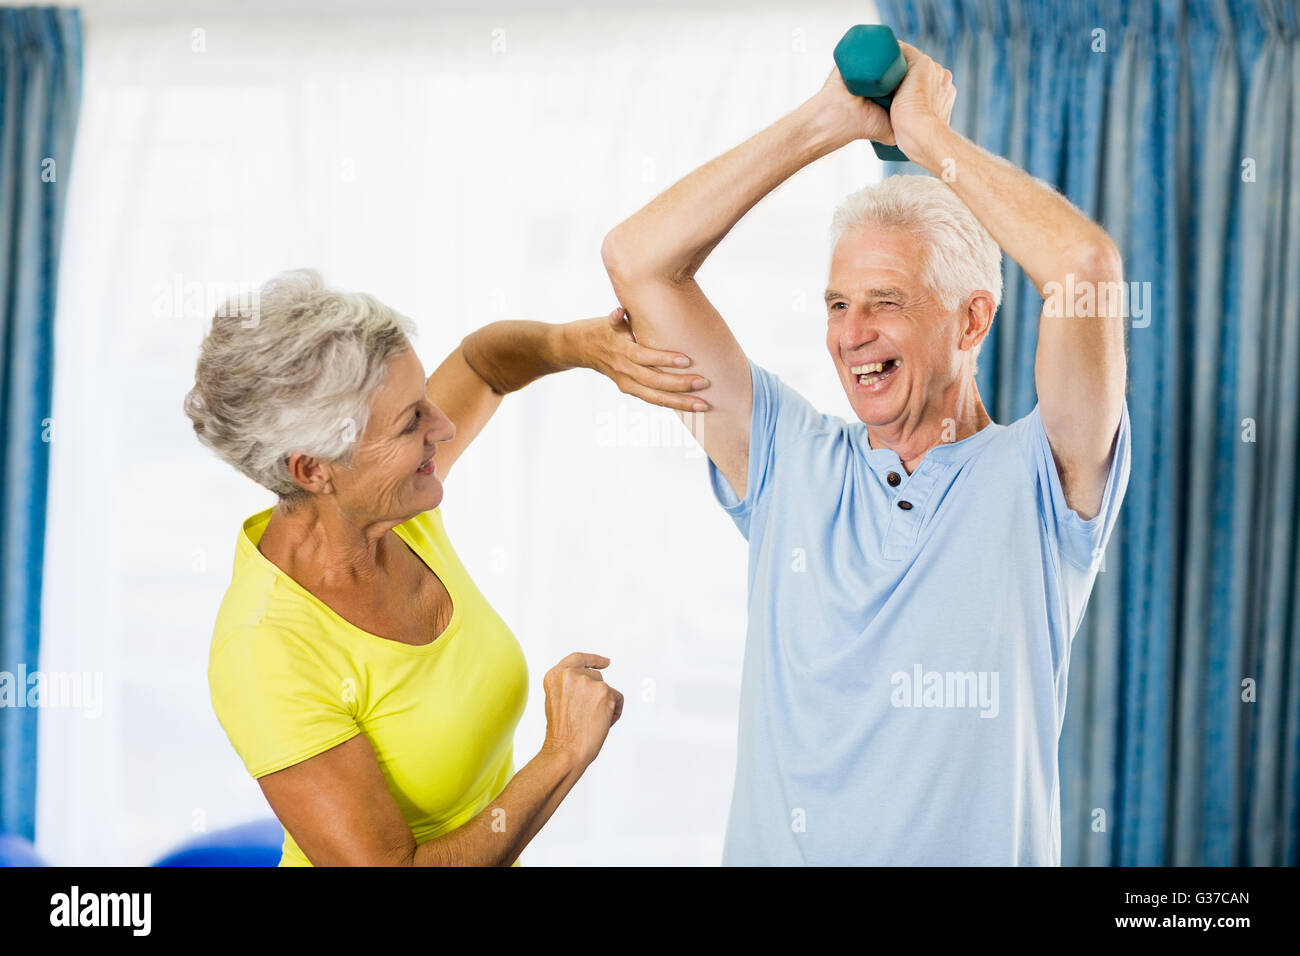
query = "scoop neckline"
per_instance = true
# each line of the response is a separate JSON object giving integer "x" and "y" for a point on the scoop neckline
{"x": 434, "y": 646}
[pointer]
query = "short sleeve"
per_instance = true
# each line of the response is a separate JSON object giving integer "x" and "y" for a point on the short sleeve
{"x": 275, "y": 700}
{"x": 1081, "y": 542}
{"x": 780, "y": 417}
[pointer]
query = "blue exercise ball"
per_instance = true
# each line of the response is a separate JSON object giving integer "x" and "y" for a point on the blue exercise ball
{"x": 18, "y": 851}
{"x": 249, "y": 844}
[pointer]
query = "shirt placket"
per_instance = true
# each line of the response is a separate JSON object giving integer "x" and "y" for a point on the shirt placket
{"x": 908, "y": 507}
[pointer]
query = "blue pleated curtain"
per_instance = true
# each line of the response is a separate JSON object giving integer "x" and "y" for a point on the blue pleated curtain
{"x": 40, "y": 95}
{"x": 1176, "y": 125}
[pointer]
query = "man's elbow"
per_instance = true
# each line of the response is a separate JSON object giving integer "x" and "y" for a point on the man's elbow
{"x": 1099, "y": 260}
{"x": 613, "y": 254}
{"x": 630, "y": 260}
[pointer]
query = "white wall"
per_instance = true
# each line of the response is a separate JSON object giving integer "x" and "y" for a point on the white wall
{"x": 403, "y": 155}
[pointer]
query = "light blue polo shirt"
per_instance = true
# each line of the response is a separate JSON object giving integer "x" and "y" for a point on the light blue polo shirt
{"x": 905, "y": 668}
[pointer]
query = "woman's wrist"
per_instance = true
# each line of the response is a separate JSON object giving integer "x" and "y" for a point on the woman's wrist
{"x": 564, "y": 346}
{"x": 560, "y": 760}
{"x": 510, "y": 354}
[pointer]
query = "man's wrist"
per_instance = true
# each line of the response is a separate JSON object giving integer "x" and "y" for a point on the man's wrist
{"x": 936, "y": 149}
{"x": 818, "y": 129}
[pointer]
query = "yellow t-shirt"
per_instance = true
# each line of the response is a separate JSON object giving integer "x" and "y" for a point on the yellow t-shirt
{"x": 290, "y": 678}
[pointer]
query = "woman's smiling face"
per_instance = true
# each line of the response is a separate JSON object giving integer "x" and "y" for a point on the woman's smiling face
{"x": 393, "y": 475}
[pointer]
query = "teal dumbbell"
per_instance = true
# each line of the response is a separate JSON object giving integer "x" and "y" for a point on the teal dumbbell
{"x": 871, "y": 64}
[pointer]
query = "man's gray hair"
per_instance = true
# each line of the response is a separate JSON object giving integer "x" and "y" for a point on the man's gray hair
{"x": 294, "y": 370}
{"x": 960, "y": 255}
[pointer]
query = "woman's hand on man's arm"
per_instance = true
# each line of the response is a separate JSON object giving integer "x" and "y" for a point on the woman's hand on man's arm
{"x": 508, "y": 355}
{"x": 608, "y": 346}
{"x": 503, "y": 357}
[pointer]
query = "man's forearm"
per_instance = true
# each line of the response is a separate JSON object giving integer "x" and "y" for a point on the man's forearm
{"x": 498, "y": 833}
{"x": 1034, "y": 224}
{"x": 512, "y": 353}
{"x": 1080, "y": 368}
{"x": 672, "y": 236}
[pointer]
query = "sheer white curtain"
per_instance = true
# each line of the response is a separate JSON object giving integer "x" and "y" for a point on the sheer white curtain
{"x": 463, "y": 167}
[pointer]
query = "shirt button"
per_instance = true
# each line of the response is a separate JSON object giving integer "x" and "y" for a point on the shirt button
{"x": 905, "y": 505}
{"x": 893, "y": 478}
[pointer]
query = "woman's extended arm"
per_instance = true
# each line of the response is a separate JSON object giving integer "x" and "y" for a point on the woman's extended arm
{"x": 505, "y": 356}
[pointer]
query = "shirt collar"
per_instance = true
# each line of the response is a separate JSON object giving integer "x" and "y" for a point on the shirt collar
{"x": 944, "y": 453}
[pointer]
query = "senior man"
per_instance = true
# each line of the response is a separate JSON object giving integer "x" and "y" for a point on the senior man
{"x": 916, "y": 577}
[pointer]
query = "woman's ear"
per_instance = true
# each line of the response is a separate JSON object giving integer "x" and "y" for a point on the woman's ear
{"x": 311, "y": 474}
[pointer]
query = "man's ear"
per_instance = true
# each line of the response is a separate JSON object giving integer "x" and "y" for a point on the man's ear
{"x": 311, "y": 474}
{"x": 977, "y": 319}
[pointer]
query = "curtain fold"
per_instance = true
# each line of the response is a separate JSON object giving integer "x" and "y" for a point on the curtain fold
{"x": 1175, "y": 124}
{"x": 40, "y": 95}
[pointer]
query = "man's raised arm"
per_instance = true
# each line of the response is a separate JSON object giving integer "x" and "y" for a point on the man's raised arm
{"x": 652, "y": 258}
{"x": 1080, "y": 368}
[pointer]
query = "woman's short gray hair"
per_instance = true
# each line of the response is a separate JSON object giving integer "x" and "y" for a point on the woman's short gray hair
{"x": 292, "y": 370}
{"x": 960, "y": 254}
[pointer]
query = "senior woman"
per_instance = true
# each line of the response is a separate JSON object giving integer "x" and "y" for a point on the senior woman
{"x": 364, "y": 681}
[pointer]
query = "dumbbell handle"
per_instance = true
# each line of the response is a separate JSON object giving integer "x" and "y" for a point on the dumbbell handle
{"x": 885, "y": 152}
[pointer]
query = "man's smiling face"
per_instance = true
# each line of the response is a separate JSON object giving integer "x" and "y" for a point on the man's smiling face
{"x": 880, "y": 313}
